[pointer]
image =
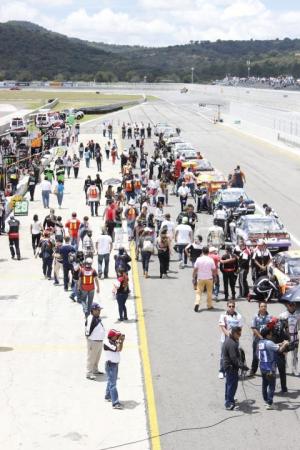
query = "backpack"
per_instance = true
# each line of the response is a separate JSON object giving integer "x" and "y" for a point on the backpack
{"x": 121, "y": 264}
{"x": 148, "y": 246}
{"x": 93, "y": 193}
{"x": 131, "y": 214}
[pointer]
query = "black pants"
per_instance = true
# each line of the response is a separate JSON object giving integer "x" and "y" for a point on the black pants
{"x": 229, "y": 277}
{"x": 243, "y": 283}
{"x": 31, "y": 192}
{"x": 67, "y": 269}
{"x": 110, "y": 226}
{"x": 183, "y": 201}
{"x": 76, "y": 170}
{"x": 107, "y": 154}
{"x": 281, "y": 364}
{"x": 14, "y": 247}
{"x": 254, "y": 365}
{"x": 47, "y": 266}
{"x": 164, "y": 261}
{"x": 99, "y": 166}
{"x": 94, "y": 208}
{"x": 35, "y": 238}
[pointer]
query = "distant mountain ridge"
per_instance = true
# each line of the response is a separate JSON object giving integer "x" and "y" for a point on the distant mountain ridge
{"x": 28, "y": 51}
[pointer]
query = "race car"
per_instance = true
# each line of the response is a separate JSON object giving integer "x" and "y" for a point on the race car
{"x": 230, "y": 198}
{"x": 250, "y": 228}
{"x": 198, "y": 165}
{"x": 18, "y": 127}
{"x": 285, "y": 268}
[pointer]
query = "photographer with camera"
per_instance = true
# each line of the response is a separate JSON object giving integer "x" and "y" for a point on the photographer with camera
{"x": 112, "y": 346}
{"x": 267, "y": 350}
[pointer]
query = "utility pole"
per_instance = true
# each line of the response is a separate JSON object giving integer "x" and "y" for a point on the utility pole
{"x": 192, "y": 69}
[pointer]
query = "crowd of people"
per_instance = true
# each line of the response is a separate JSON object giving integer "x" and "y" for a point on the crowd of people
{"x": 139, "y": 199}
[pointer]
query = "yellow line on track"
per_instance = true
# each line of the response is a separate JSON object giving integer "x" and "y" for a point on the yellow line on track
{"x": 144, "y": 351}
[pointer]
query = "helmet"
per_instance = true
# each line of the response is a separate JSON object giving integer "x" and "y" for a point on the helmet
{"x": 184, "y": 220}
{"x": 88, "y": 261}
{"x": 113, "y": 333}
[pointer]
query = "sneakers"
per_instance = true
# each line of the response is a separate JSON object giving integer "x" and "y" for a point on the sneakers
{"x": 97, "y": 372}
{"x": 221, "y": 375}
{"x": 270, "y": 407}
{"x": 107, "y": 399}
{"x": 232, "y": 408}
{"x": 118, "y": 406}
{"x": 196, "y": 308}
{"x": 91, "y": 377}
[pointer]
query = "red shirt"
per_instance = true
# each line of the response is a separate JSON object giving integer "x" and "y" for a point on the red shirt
{"x": 216, "y": 258}
{"x": 73, "y": 227}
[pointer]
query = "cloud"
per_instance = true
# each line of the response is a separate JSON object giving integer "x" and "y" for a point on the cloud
{"x": 154, "y": 22}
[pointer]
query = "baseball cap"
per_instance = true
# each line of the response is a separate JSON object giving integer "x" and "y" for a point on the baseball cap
{"x": 184, "y": 220}
{"x": 96, "y": 306}
{"x": 212, "y": 249}
{"x": 113, "y": 333}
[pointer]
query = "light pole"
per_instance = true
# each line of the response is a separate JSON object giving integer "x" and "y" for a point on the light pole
{"x": 248, "y": 67}
{"x": 192, "y": 69}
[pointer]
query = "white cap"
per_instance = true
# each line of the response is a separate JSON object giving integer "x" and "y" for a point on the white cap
{"x": 212, "y": 249}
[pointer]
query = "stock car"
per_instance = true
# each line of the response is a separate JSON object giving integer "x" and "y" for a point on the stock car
{"x": 285, "y": 267}
{"x": 160, "y": 128}
{"x": 18, "y": 127}
{"x": 250, "y": 228}
{"x": 199, "y": 165}
{"x": 229, "y": 198}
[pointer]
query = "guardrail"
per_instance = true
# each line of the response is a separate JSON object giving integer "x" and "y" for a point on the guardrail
{"x": 289, "y": 139}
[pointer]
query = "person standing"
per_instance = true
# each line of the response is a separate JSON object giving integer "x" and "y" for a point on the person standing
{"x": 14, "y": 237}
{"x": 203, "y": 273}
{"x": 260, "y": 260}
{"x": 87, "y": 282}
{"x": 259, "y": 321}
{"x": 104, "y": 248}
{"x": 228, "y": 267}
{"x": 46, "y": 190}
{"x": 232, "y": 364}
{"x": 93, "y": 198}
{"x": 122, "y": 292}
{"x": 244, "y": 258}
{"x": 183, "y": 193}
{"x": 292, "y": 316}
{"x": 163, "y": 251}
{"x": 112, "y": 346}
{"x": 267, "y": 362}
{"x": 231, "y": 318}
{"x": 36, "y": 232}
{"x": 95, "y": 334}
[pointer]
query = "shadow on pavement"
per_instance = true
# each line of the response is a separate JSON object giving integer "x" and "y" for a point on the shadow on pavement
{"x": 130, "y": 404}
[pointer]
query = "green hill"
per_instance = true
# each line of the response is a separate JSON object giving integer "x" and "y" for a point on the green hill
{"x": 28, "y": 51}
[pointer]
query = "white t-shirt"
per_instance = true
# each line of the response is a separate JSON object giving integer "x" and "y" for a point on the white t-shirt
{"x": 104, "y": 244}
{"x": 110, "y": 353}
{"x": 36, "y": 227}
{"x": 205, "y": 266}
{"x": 183, "y": 191}
{"x": 46, "y": 185}
{"x": 183, "y": 234}
{"x": 228, "y": 321}
{"x": 171, "y": 227}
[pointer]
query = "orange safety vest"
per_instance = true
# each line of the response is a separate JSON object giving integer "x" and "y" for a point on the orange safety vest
{"x": 73, "y": 226}
{"x": 131, "y": 214}
{"x": 137, "y": 184}
{"x": 87, "y": 279}
{"x": 93, "y": 193}
{"x": 128, "y": 186}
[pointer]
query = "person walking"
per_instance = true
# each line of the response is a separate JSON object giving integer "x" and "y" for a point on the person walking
{"x": 76, "y": 165}
{"x": 113, "y": 346}
{"x": 93, "y": 198}
{"x": 183, "y": 237}
{"x": 46, "y": 190}
{"x": 14, "y": 237}
{"x": 95, "y": 334}
{"x": 69, "y": 164}
{"x": 87, "y": 157}
{"x": 203, "y": 274}
{"x": 60, "y": 193}
{"x": 65, "y": 251}
{"x": 73, "y": 225}
{"x": 107, "y": 149}
{"x": 183, "y": 193}
{"x": 31, "y": 185}
{"x": 36, "y": 232}
{"x": 131, "y": 213}
{"x": 147, "y": 248}
{"x": 121, "y": 287}
{"x": 104, "y": 248}
{"x": 81, "y": 150}
{"x": 46, "y": 253}
{"x": 87, "y": 282}
{"x": 232, "y": 364}
{"x": 98, "y": 156}
{"x": 163, "y": 251}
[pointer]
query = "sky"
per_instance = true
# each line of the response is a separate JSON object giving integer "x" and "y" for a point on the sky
{"x": 159, "y": 22}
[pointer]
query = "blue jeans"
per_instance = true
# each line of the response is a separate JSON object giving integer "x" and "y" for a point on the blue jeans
{"x": 104, "y": 258}
{"x": 87, "y": 162}
{"x": 182, "y": 254}
{"x": 86, "y": 298}
{"x": 60, "y": 196}
{"x": 75, "y": 293}
{"x": 74, "y": 242}
{"x": 45, "y": 198}
{"x": 121, "y": 299}
{"x": 111, "y": 370}
{"x": 145, "y": 260}
{"x": 268, "y": 387}
{"x": 232, "y": 379}
{"x": 47, "y": 266}
{"x": 130, "y": 228}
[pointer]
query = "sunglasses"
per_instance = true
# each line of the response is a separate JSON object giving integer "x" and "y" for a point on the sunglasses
{"x": 231, "y": 306}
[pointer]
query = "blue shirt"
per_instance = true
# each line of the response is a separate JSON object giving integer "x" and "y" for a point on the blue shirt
{"x": 266, "y": 351}
{"x": 64, "y": 251}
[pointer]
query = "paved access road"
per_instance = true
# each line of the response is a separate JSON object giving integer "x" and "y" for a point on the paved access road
{"x": 184, "y": 346}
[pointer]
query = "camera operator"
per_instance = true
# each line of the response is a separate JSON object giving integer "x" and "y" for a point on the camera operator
{"x": 113, "y": 345}
{"x": 267, "y": 361}
{"x": 231, "y": 364}
{"x": 280, "y": 334}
